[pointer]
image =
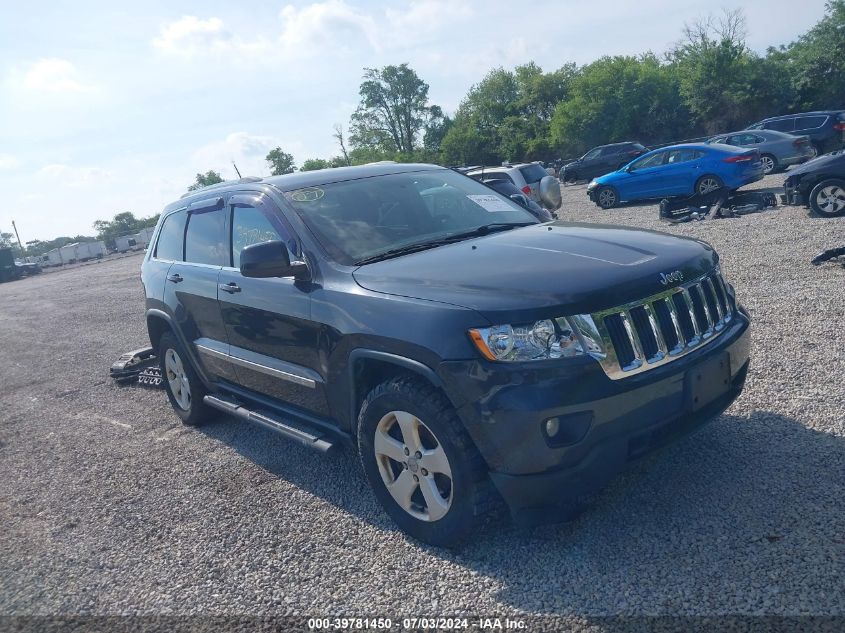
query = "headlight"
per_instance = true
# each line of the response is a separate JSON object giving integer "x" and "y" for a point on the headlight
{"x": 563, "y": 337}
{"x": 593, "y": 184}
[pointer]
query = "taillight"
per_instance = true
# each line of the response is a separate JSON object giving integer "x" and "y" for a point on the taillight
{"x": 799, "y": 142}
{"x": 839, "y": 126}
{"x": 526, "y": 190}
{"x": 742, "y": 158}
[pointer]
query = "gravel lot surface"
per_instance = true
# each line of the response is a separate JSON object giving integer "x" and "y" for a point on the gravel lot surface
{"x": 109, "y": 506}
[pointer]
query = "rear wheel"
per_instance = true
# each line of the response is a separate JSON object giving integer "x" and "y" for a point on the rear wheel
{"x": 828, "y": 197}
{"x": 184, "y": 388}
{"x": 770, "y": 163}
{"x": 607, "y": 197}
{"x": 707, "y": 183}
{"x": 423, "y": 468}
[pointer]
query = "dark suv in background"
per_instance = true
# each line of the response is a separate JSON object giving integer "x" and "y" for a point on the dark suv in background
{"x": 469, "y": 353}
{"x": 826, "y": 129}
{"x": 601, "y": 160}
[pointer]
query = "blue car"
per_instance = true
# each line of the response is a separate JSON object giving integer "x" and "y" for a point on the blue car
{"x": 677, "y": 170}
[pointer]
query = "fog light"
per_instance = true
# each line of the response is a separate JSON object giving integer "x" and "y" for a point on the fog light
{"x": 552, "y": 427}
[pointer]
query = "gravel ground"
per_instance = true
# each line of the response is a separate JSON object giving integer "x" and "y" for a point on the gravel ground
{"x": 109, "y": 506}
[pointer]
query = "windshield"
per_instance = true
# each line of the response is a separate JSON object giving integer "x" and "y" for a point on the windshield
{"x": 358, "y": 219}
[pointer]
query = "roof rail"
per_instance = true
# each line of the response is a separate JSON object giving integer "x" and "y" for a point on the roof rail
{"x": 218, "y": 185}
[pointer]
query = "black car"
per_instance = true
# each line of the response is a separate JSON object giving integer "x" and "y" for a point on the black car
{"x": 469, "y": 353}
{"x": 507, "y": 188}
{"x": 601, "y": 160}
{"x": 826, "y": 129}
{"x": 820, "y": 184}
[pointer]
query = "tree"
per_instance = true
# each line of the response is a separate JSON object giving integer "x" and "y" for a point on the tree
{"x": 393, "y": 110}
{"x": 280, "y": 162}
{"x": 124, "y": 223}
{"x": 315, "y": 163}
{"x": 815, "y": 61}
{"x": 620, "y": 99}
{"x": 204, "y": 180}
{"x": 338, "y": 136}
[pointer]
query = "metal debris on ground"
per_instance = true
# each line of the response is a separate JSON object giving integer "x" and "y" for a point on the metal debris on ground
{"x": 719, "y": 203}
{"x": 140, "y": 365}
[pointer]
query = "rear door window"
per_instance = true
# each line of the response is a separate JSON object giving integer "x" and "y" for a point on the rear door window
{"x": 809, "y": 122}
{"x": 170, "y": 237}
{"x": 743, "y": 139}
{"x": 781, "y": 125}
{"x": 681, "y": 156}
{"x": 205, "y": 239}
{"x": 533, "y": 173}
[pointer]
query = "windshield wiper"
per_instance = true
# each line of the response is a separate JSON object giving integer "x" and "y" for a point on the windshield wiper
{"x": 446, "y": 239}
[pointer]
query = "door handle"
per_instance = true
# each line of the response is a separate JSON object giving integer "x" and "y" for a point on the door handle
{"x": 230, "y": 287}
{"x": 175, "y": 278}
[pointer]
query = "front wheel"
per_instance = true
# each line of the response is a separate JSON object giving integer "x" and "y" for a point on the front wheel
{"x": 828, "y": 198}
{"x": 607, "y": 197}
{"x": 184, "y": 388}
{"x": 423, "y": 468}
{"x": 706, "y": 184}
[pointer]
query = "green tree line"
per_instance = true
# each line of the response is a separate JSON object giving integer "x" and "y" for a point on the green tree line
{"x": 710, "y": 81}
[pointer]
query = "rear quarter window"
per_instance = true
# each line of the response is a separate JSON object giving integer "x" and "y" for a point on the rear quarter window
{"x": 533, "y": 173}
{"x": 170, "y": 236}
{"x": 809, "y": 122}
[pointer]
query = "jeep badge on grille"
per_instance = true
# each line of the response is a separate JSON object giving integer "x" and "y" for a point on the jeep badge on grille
{"x": 673, "y": 277}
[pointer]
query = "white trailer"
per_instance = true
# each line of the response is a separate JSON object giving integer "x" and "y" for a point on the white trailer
{"x": 90, "y": 250}
{"x": 51, "y": 258}
{"x": 69, "y": 253}
{"x": 125, "y": 243}
{"x": 144, "y": 236}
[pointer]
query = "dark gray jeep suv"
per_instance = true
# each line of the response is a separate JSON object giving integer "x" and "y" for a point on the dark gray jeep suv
{"x": 471, "y": 354}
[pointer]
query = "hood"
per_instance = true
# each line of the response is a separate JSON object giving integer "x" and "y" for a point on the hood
{"x": 834, "y": 161}
{"x": 542, "y": 270}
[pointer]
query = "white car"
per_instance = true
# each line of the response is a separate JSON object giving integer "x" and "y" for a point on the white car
{"x": 530, "y": 178}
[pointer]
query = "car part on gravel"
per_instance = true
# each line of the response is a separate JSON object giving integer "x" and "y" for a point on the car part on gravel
{"x": 831, "y": 253}
{"x": 129, "y": 366}
{"x": 719, "y": 203}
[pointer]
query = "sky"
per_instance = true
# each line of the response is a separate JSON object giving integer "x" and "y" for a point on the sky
{"x": 110, "y": 106}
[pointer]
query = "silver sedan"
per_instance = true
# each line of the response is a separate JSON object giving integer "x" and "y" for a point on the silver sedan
{"x": 777, "y": 150}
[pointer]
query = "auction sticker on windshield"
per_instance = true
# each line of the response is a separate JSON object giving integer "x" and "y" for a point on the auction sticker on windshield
{"x": 490, "y": 203}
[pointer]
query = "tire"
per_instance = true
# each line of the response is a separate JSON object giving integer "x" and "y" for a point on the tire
{"x": 827, "y": 198}
{"x": 570, "y": 178}
{"x": 607, "y": 197}
{"x": 770, "y": 164}
{"x": 182, "y": 384}
{"x": 817, "y": 149}
{"x": 407, "y": 413}
{"x": 707, "y": 183}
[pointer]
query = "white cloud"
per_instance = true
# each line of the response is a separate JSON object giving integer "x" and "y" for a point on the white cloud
{"x": 248, "y": 151}
{"x": 426, "y": 16}
{"x": 325, "y": 27}
{"x": 54, "y": 75}
{"x": 60, "y": 174}
{"x": 190, "y": 36}
{"x": 7, "y": 161}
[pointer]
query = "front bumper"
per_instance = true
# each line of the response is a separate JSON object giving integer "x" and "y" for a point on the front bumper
{"x": 605, "y": 424}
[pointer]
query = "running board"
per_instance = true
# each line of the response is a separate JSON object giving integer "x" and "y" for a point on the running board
{"x": 319, "y": 442}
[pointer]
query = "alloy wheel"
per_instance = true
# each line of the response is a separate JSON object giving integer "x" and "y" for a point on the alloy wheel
{"x": 707, "y": 185}
{"x": 413, "y": 466}
{"x": 768, "y": 164}
{"x": 177, "y": 378}
{"x": 831, "y": 199}
{"x": 607, "y": 198}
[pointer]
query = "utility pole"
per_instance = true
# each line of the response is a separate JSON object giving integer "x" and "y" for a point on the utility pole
{"x": 19, "y": 238}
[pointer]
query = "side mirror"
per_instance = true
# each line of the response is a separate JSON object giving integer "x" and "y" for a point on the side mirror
{"x": 271, "y": 259}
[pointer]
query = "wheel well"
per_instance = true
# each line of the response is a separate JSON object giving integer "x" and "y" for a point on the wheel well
{"x": 367, "y": 373}
{"x": 156, "y": 326}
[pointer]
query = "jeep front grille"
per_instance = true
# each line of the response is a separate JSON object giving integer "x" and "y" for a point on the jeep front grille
{"x": 656, "y": 330}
